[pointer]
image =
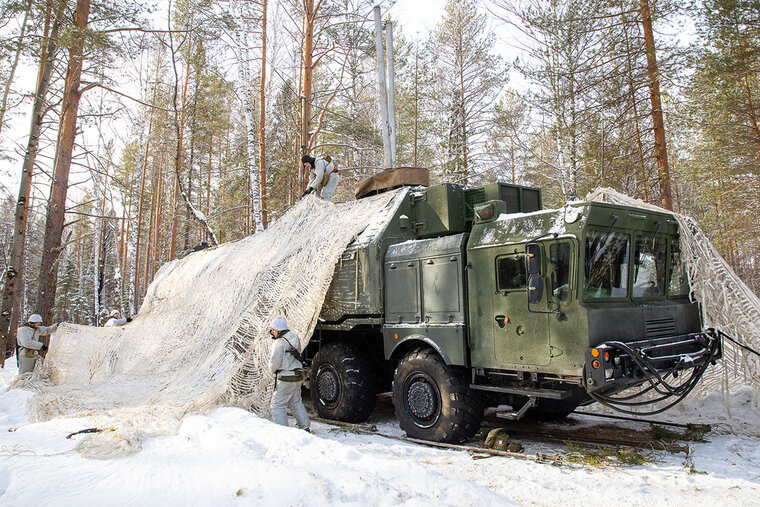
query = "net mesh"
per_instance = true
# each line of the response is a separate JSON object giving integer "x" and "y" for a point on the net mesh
{"x": 725, "y": 301}
{"x": 200, "y": 339}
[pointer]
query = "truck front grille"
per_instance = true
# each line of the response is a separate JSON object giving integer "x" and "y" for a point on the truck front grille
{"x": 656, "y": 328}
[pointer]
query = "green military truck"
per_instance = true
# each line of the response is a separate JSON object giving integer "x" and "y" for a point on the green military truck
{"x": 461, "y": 298}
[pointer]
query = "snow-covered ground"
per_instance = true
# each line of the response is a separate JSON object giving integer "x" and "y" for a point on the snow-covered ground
{"x": 230, "y": 456}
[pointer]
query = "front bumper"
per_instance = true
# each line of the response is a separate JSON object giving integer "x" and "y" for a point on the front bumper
{"x": 614, "y": 366}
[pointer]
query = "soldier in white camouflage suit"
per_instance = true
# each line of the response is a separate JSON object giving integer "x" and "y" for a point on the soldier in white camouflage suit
{"x": 324, "y": 176}
{"x": 29, "y": 346}
{"x": 288, "y": 371}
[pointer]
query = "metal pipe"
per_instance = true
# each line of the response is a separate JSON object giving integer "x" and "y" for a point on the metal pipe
{"x": 391, "y": 90}
{"x": 382, "y": 91}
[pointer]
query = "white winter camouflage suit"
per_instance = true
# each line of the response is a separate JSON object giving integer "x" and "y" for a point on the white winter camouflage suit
{"x": 113, "y": 321}
{"x": 29, "y": 345}
{"x": 317, "y": 174}
{"x": 288, "y": 392}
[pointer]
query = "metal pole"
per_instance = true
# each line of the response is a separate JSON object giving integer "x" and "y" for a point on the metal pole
{"x": 391, "y": 89}
{"x": 382, "y": 92}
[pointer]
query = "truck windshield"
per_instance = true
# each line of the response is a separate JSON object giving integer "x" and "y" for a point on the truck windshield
{"x": 606, "y": 266}
{"x": 679, "y": 283}
{"x": 649, "y": 264}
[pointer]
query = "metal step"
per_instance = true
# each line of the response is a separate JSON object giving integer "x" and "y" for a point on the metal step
{"x": 526, "y": 391}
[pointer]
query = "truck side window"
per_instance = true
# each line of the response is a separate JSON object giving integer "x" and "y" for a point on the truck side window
{"x": 510, "y": 272}
{"x": 559, "y": 257}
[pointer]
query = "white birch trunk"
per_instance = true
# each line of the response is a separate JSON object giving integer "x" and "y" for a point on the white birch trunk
{"x": 241, "y": 9}
{"x": 96, "y": 260}
{"x": 133, "y": 305}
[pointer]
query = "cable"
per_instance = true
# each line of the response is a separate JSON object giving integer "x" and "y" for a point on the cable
{"x": 657, "y": 381}
{"x": 724, "y": 335}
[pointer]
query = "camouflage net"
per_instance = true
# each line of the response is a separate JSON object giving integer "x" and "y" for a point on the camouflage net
{"x": 200, "y": 340}
{"x": 726, "y": 303}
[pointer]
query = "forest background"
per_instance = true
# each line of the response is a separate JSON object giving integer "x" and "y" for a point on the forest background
{"x": 132, "y": 132}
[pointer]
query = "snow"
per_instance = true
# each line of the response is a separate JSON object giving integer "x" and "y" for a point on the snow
{"x": 380, "y": 221}
{"x": 230, "y": 456}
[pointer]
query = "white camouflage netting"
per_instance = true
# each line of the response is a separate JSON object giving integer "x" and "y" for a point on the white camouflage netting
{"x": 727, "y": 303}
{"x": 200, "y": 339}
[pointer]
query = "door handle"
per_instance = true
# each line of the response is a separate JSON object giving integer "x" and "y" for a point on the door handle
{"x": 501, "y": 320}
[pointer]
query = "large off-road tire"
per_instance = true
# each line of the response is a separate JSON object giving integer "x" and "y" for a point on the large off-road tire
{"x": 433, "y": 400}
{"x": 343, "y": 383}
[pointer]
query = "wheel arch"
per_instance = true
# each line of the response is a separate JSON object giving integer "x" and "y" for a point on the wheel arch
{"x": 415, "y": 341}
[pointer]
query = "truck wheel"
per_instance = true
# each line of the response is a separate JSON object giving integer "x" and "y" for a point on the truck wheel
{"x": 342, "y": 383}
{"x": 433, "y": 400}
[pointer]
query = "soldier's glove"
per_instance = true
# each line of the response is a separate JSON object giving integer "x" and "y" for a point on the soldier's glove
{"x": 308, "y": 191}
{"x": 43, "y": 348}
{"x": 129, "y": 319}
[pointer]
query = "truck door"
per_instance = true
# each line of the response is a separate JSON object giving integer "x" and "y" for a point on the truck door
{"x": 521, "y": 338}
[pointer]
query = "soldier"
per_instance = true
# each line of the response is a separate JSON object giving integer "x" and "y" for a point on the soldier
{"x": 324, "y": 176}
{"x": 116, "y": 320}
{"x": 287, "y": 367}
{"x": 28, "y": 346}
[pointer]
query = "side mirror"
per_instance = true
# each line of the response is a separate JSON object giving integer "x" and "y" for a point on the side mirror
{"x": 535, "y": 288}
{"x": 532, "y": 258}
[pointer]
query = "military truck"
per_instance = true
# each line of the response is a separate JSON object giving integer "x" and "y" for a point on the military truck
{"x": 459, "y": 298}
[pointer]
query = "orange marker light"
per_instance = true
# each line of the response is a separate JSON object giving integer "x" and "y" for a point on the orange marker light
{"x": 596, "y": 364}
{"x": 395, "y": 336}
{"x": 595, "y": 352}
{"x": 606, "y": 356}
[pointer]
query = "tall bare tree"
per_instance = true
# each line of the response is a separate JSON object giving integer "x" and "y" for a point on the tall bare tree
{"x": 11, "y": 299}
{"x": 56, "y": 210}
{"x": 661, "y": 151}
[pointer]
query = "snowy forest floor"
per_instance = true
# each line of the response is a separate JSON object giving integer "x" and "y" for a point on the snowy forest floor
{"x": 230, "y": 457}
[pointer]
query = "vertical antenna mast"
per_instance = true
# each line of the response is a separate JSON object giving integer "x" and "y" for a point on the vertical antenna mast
{"x": 382, "y": 90}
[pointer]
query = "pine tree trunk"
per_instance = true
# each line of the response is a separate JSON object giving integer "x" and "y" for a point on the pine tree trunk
{"x": 634, "y": 104}
{"x": 157, "y": 228}
{"x": 306, "y": 85}
{"x": 57, "y": 203}
{"x": 11, "y": 298}
{"x": 751, "y": 113}
{"x": 660, "y": 148}
{"x": 137, "y": 290}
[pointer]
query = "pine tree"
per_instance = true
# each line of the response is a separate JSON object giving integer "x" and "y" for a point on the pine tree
{"x": 471, "y": 76}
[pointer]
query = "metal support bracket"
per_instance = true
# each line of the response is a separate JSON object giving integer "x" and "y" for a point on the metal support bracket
{"x": 516, "y": 415}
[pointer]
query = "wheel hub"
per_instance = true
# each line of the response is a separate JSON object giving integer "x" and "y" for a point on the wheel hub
{"x": 327, "y": 385}
{"x": 422, "y": 399}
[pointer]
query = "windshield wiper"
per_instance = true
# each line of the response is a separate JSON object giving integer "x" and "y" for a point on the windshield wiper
{"x": 657, "y": 228}
{"x": 599, "y": 249}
